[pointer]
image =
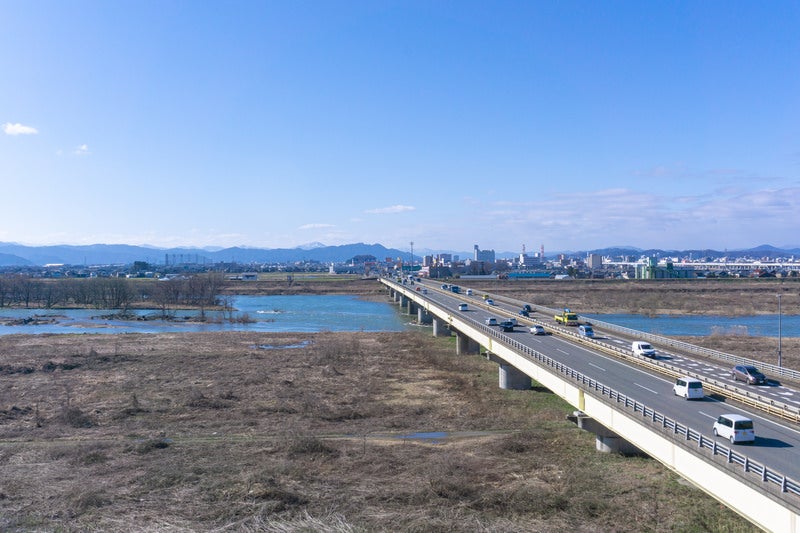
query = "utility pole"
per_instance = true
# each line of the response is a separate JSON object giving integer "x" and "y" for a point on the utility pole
{"x": 411, "y": 267}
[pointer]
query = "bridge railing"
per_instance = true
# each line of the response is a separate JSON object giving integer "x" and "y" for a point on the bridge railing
{"x": 678, "y": 432}
{"x": 767, "y": 368}
{"x": 746, "y": 468}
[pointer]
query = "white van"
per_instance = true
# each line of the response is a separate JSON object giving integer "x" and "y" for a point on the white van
{"x": 735, "y": 428}
{"x": 689, "y": 388}
{"x": 643, "y": 348}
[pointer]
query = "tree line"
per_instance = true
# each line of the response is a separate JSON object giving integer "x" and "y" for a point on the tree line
{"x": 195, "y": 291}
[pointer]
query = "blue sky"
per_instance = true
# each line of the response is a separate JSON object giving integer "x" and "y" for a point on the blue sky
{"x": 573, "y": 125}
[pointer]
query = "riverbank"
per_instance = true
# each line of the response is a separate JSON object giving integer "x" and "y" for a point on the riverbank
{"x": 322, "y": 432}
{"x": 305, "y": 284}
{"x": 723, "y": 297}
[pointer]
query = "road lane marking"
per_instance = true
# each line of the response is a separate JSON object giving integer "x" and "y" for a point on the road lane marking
{"x": 597, "y": 367}
{"x": 645, "y": 388}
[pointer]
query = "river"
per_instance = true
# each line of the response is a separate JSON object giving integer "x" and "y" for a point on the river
{"x": 700, "y": 325}
{"x": 303, "y": 313}
{"x": 313, "y": 313}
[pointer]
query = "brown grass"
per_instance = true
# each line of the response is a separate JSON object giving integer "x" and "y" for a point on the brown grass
{"x": 728, "y": 297}
{"x": 225, "y": 432}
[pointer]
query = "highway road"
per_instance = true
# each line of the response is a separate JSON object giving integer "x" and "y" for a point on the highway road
{"x": 777, "y": 442}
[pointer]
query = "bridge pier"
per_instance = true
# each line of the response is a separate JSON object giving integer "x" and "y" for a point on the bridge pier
{"x": 465, "y": 345}
{"x": 423, "y": 317}
{"x": 440, "y": 328}
{"x": 606, "y": 441}
{"x": 509, "y": 377}
{"x": 411, "y": 307}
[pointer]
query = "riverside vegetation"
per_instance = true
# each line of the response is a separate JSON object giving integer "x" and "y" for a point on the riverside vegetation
{"x": 239, "y": 431}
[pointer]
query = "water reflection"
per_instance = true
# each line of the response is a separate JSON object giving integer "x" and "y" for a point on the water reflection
{"x": 433, "y": 437}
{"x": 301, "y": 313}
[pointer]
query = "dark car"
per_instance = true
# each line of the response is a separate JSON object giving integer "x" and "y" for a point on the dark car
{"x": 524, "y": 313}
{"x": 749, "y": 374}
{"x": 507, "y": 325}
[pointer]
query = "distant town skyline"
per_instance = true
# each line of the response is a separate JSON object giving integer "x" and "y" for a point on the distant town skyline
{"x": 14, "y": 255}
{"x": 576, "y": 126}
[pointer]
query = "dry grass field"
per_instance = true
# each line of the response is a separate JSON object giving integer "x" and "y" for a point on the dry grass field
{"x": 724, "y": 297}
{"x": 307, "y": 432}
{"x": 285, "y": 432}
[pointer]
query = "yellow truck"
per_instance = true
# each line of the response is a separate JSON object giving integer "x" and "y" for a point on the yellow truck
{"x": 567, "y": 318}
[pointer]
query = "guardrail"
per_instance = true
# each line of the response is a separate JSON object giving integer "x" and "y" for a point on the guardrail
{"x": 773, "y": 370}
{"x": 679, "y": 433}
{"x": 747, "y": 397}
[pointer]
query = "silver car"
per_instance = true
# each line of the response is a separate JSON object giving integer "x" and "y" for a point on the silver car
{"x": 749, "y": 374}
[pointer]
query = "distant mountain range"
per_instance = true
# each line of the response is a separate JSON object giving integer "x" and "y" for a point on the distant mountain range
{"x": 762, "y": 251}
{"x": 12, "y": 254}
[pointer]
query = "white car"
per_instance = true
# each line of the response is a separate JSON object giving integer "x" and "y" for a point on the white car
{"x": 735, "y": 428}
{"x": 537, "y": 330}
{"x": 462, "y": 307}
{"x": 643, "y": 348}
{"x": 492, "y": 321}
{"x": 489, "y": 301}
{"x": 689, "y": 388}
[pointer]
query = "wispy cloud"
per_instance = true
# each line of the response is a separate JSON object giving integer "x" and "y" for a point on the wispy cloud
{"x": 726, "y": 217}
{"x": 82, "y": 150}
{"x": 391, "y": 209}
{"x": 19, "y": 129}
{"x": 315, "y": 226}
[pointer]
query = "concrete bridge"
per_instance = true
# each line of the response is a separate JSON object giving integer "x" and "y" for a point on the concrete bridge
{"x": 765, "y": 494}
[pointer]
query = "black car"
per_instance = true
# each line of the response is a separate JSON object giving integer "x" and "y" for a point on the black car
{"x": 507, "y": 325}
{"x": 749, "y": 374}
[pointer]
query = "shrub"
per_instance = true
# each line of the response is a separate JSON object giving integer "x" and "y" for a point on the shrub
{"x": 74, "y": 417}
{"x": 306, "y": 445}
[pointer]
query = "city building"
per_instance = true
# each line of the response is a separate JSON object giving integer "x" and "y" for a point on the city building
{"x": 485, "y": 256}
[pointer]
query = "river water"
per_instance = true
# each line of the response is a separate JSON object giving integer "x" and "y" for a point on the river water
{"x": 313, "y": 313}
{"x": 301, "y": 313}
{"x": 699, "y": 326}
